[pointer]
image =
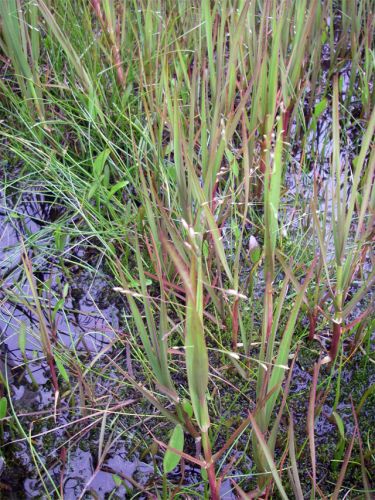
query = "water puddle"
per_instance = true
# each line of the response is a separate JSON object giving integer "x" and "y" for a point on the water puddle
{"x": 81, "y": 313}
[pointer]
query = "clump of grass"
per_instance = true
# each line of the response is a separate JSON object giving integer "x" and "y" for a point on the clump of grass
{"x": 166, "y": 133}
{"x": 21, "y": 43}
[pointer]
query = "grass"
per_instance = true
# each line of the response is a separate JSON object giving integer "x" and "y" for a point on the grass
{"x": 163, "y": 150}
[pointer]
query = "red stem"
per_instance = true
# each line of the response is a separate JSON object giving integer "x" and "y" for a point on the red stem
{"x": 52, "y": 368}
{"x": 336, "y": 336}
{"x": 312, "y": 324}
{"x": 210, "y": 467}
